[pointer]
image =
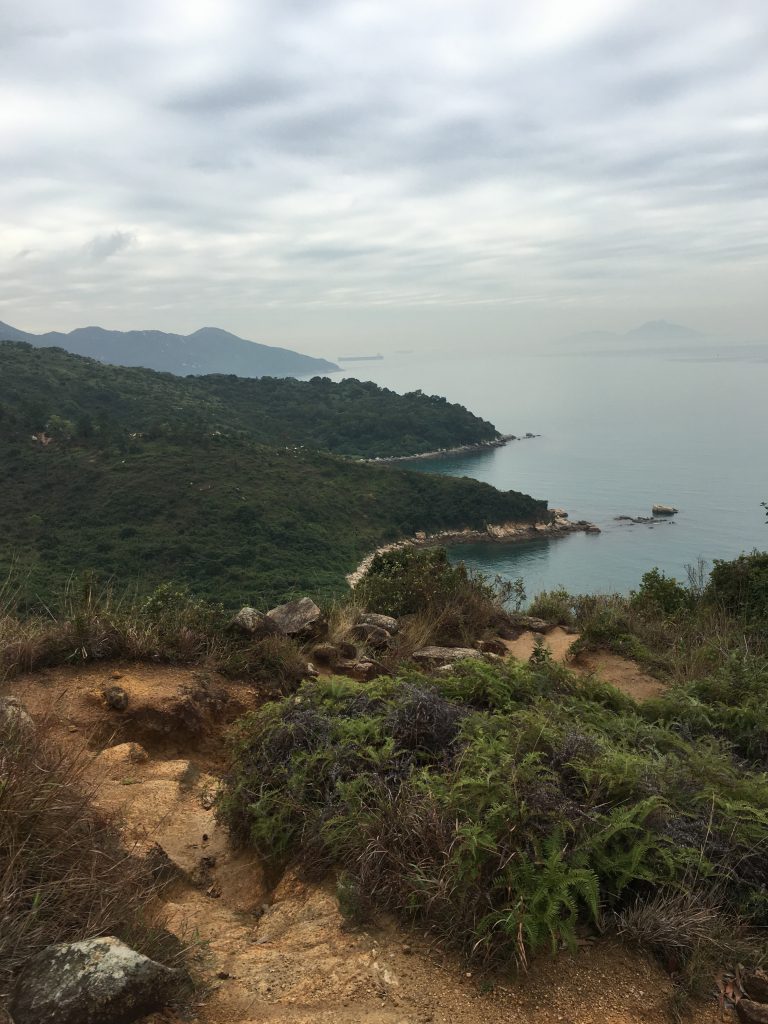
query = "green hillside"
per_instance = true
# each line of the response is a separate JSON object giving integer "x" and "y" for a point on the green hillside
{"x": 349, "y": 417}
{"x": 149, "y": 477}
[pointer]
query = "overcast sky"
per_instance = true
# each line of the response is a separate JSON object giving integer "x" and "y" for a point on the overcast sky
{"x": 352, "y": 175}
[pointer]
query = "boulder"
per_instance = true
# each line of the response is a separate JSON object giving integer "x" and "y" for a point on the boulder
{"x": 387, "y": 622}
{"x": 115, "y": 697}
{"x": 347, "y": 650}
{"x": 492, "y": 646}
{"x": 301, "y": 618}
{"x": 97, "y": 981}
{"x": 755, "y": 984}
{"x": 444, "y": 655}
{"x": 751, "y": 1012}
{"x": 371, "y": 635}
{"x": 12, "y": 713}
{"x": 369, "y": 669}
{"x": 664, "y": 510}
{"x": 252, "y": 622}
{"x": 532, "y": 623}
{"x": 326, "y": 654}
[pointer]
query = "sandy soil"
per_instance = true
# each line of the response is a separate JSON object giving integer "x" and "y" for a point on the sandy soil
{"x": 620, "y": 672}
{"x": 283, "y": 954}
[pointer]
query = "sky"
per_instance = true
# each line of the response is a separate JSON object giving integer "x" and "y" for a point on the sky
{"x": 345, "y": 175}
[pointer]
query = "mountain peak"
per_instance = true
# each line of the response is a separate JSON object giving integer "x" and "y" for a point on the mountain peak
{"x": 208, "y": 350}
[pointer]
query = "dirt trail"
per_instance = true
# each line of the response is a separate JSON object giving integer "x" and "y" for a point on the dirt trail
{"x": 620, "y": 672}
{"x": 285, "y": 955}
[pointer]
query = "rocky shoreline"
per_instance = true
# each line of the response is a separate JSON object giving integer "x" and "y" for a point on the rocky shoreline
{"x": 462, "y": 449}
{"x": 503, "y": 533}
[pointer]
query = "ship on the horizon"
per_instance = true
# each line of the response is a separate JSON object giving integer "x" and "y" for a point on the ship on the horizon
{"x": 359, "y": 359}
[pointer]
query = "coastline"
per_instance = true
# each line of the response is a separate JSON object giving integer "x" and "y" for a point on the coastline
{"x": 461, "y": 449}
{"x": 500, "y": 533}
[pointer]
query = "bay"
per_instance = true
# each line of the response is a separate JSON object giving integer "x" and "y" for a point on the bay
{"x": 619, "y": 433}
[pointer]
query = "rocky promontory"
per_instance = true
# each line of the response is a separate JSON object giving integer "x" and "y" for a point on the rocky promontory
{"x": 558, "y": 525}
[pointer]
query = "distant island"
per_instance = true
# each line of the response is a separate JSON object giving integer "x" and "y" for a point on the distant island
{"x": 209, "y": 350}
{"x": 649, "y": 333}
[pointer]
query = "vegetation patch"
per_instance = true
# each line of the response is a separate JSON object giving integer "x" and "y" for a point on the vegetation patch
{"x": 64, "y": 874}
{"x": 504, "y": 806}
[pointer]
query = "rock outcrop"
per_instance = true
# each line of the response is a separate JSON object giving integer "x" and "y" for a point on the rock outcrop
{"x": 97, "y": 981}
{"x": 664, "y": 510}
{"x": 252, "y": 622}
{"x": 387, "y": 622}
{"x": 557, "y": 525}
{"x": 433, "y": 656}
{"x": 301, "y": 619}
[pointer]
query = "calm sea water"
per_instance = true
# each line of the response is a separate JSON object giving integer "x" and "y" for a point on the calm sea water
{"x": 619, "y": 433}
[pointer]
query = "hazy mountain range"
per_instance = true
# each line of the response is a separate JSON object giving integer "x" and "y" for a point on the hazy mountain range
{"x": 209, "y": 350}
{"x": 653, "y": 332}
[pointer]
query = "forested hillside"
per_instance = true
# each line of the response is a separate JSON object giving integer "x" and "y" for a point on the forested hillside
{"x": 146, "y": 477}
{"x": 77, "y": 398}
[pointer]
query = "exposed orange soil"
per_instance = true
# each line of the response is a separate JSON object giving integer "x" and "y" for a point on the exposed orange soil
{"x": 620, "y": 672}
{"x": 283, "y": 954}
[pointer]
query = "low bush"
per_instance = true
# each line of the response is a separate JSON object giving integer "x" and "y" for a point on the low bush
{"x": 171, "y": 625}
{"x": 741, "y": 586}
{"x": 503, "y": 806}
{"x": 64, "y": 875}
{"x": 458, "y": 604}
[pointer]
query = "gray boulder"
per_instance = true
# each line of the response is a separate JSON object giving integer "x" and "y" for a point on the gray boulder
{"x": 664, "y": 510}
{"x": 12, "y": 713}
{"x": 532, "y": 623}
{"x": 97, "y": 981}
{"x": 444, "y": 655}
{"x": 381, "y": 621}
{"x": 373, "y": 636}
{"x": 302, "y": 618}
{"x": 252, "y": 622}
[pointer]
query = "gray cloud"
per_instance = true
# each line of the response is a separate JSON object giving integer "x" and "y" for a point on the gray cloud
{"x": 345, "y": 156}
{"x": 101, "y": 247}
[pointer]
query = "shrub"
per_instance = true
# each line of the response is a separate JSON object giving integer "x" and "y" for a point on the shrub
{"x": 661, "y": 593}
{"x": 413, "y": 581}
{"x": 741, "y": 586}
{"x": 64, "y": 875}
{"x": 555, "y": 606}
{"x": 502, "y": 806}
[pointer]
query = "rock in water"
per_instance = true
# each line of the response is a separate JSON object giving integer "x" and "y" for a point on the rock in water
{"x": 97, "y": 981}
{"x": 664, "y": 510}
{"x": 300, "y": 618}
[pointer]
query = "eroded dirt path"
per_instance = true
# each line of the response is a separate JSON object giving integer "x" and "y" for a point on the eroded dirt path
{"x": 284, "y": 954}
{"x": 620, "y": 672}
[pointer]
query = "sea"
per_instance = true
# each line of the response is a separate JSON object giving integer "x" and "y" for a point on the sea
{"x": 618, "y": 433}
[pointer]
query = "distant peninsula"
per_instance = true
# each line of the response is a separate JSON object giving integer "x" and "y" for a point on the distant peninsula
{"x": 209, "y": 350}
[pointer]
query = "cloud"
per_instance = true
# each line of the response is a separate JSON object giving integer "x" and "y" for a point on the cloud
{"x": 297, "y": 155}
{"x": 101, "y": 247}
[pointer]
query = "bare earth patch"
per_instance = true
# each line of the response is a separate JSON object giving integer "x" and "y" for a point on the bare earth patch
{"x": 283, "y": 954}
{"x": 620, "y": 672}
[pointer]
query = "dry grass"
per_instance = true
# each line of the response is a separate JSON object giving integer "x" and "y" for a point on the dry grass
{"x": 64, "y": 875}
{"x": 693, "y": 933}
{"x": 342, "y": 617}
